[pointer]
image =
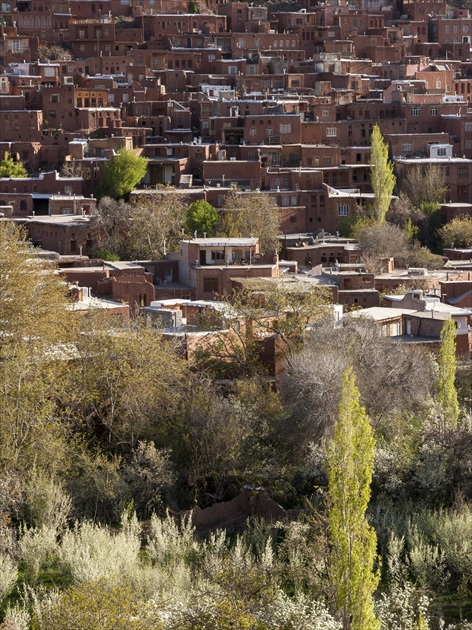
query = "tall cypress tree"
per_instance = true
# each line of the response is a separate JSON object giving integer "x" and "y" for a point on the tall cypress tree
{"x": 350, "y": 467}
{"x": 446, "y": 390}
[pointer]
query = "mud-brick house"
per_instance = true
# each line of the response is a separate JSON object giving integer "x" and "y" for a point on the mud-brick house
{"x": 208, "y": 265}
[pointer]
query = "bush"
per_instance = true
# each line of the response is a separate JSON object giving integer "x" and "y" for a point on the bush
{"x": 92, "y": 552}
{"x": 38, "y": 549}
{"x": 8, "y": 576}
{"x": 96, "y": 605}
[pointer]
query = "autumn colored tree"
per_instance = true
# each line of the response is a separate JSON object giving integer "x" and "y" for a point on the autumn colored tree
{"x": 350, "y": 467}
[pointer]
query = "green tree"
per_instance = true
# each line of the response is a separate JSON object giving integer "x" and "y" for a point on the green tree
{"x": 350, "y": 467}
{"x": 202, "y": 218}
{"x": 10, "y": 168}
{"x": 457, "y": 233}
{"x": 252, "y": 214}
{"x": 381, "y": 175}
{"x": 121, "y": 174}
{"x": 446, "y": 390}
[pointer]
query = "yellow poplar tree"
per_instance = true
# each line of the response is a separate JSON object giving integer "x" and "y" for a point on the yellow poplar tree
{"x": 446, "y": 389}
{"x": 382, "y": 178}
{"x": 350, "y": 467}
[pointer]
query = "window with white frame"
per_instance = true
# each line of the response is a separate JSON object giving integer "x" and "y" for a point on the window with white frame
{"x": 343, "y": 210}
{"x": 468, "y": 126}
{"x": 433, "y": 111}
{"x": 407, "y": 147}
{"x": 415, "y": 111}
{"x": 285, "y": 128}
{"x": 331, "y": 132}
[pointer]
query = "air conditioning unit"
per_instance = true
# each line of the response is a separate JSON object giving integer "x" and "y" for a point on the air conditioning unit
{"x": 68, "y": 80}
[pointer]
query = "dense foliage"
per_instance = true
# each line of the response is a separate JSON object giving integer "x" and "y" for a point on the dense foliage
{"x": 10, "y": 168}
{"x": 108, "y": 437}
{"x": 121, "y": 174}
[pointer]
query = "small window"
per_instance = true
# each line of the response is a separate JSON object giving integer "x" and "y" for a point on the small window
{"x": 210, "y": 285}
{"x": 343, "y": 210}
{"x": 331, "y": 132}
